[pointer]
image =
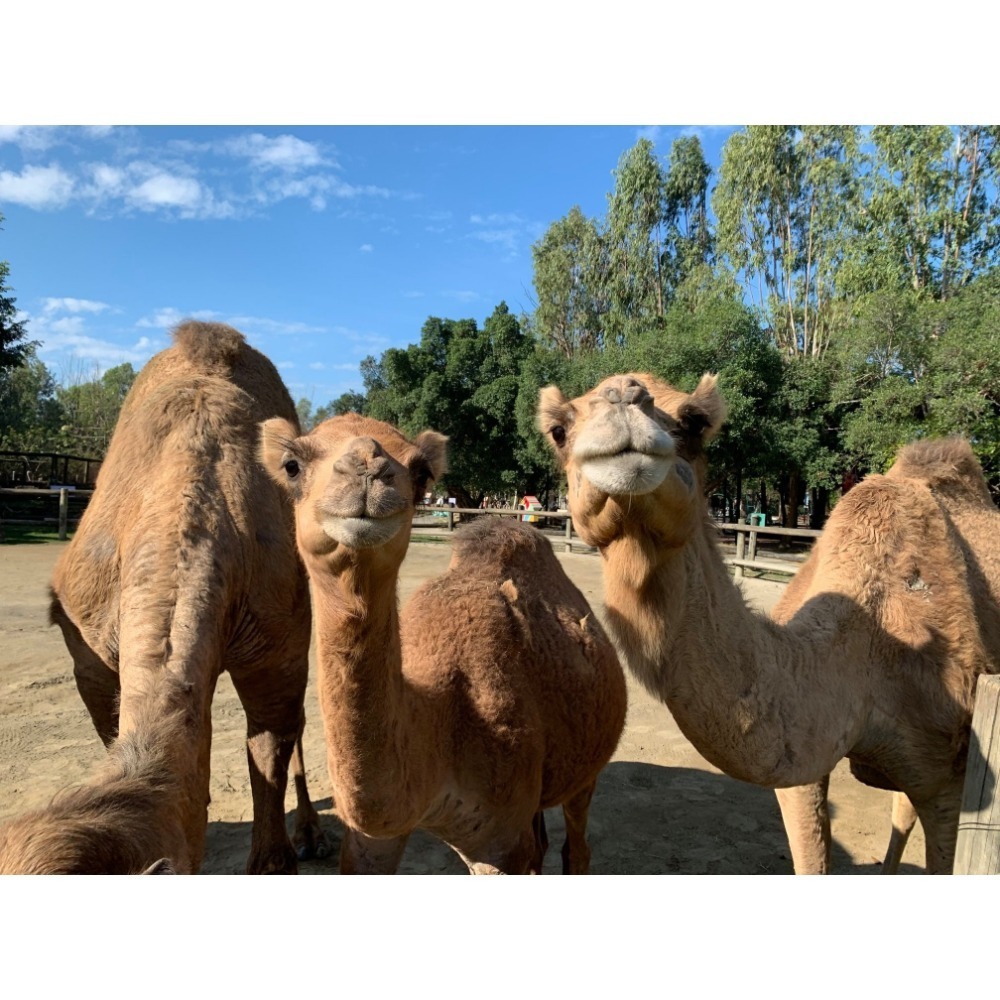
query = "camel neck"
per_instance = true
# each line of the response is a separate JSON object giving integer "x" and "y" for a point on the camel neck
{"x": 368, "y": 709}
{"x": 769, "y": 704}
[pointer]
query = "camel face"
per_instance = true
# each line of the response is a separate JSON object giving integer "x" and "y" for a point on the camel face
{"x": 354, "y": 481}
{"x": 632, "y": 450}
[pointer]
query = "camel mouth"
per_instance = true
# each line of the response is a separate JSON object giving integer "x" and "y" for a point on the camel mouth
{"x": 363, "y": 532}
{"x": 627, "y": 473}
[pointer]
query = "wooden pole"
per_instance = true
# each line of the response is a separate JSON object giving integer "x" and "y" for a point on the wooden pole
{"x": 741, "y": 542}
{"x": 977, "y": 851}
{"x": 63, "y": 513}
{"x": 569, "y": 534}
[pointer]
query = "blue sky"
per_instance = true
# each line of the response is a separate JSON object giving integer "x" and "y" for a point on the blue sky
{"x": 322, "y": 244}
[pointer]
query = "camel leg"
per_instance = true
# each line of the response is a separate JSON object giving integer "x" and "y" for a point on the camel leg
{"x": 308, "y": 838}
{"x": 98, "y": 684}
{"x": 575, "y": 849}
{"x": 904, "y": 816}
{"x": 361, "y": 855}
{"x": 806, "y": 816}
{"x": 541, "y": 843}
{"x": 939, "y": 818}
{"x": 272, "y": 700}
{"x": 507, "y": 854}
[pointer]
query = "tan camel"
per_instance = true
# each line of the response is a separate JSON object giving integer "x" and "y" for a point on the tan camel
{"x": 184, "y": 565}
{"x": 876, "y": 650}
{"x": 497, "y": 695}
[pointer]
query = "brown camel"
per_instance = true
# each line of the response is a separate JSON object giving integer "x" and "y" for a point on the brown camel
{"x": 875, "y": 650}
{"x": 497, "y": 695}
{"x": 184, "y": 565}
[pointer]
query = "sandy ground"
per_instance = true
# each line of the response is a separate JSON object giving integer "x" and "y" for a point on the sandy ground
{"x": 660, "y": 808}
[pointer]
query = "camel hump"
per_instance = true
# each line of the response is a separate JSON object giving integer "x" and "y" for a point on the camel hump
{"x": 209, "y": 345}
{"x": 947, "y": 465}
{"x": 493, "y": 541}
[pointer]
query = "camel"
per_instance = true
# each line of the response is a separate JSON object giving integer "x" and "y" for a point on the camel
{"x": 183, "y": 565}
{"x": 872, "y": 655}
{"x": 495, "y": 694}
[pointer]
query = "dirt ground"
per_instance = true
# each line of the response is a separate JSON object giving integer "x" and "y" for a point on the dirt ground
{"x": 660, "y": 808}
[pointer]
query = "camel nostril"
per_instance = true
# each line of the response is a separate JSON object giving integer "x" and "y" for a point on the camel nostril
{"x": 612, "y": 395}
{"x": 635, "y": 394}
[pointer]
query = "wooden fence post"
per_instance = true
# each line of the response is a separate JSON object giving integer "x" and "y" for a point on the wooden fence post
{"x": 451, "y": 519}
{"x": 741, "y": 543}
{"x": 977, "y": 851}
{"x": 569, "y": 534}
{"x": 63, "y": 513}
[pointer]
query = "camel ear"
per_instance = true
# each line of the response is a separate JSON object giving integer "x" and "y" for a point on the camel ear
{"x": 277, "y": 445}
{"x": 162, "y": 867}
{"x": 429, "y": 461}
{"x": 555, "y": 414}
{"x": 703, "y": 413}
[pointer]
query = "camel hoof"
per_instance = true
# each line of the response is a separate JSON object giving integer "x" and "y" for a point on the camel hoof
{"x": 312, "y": 843}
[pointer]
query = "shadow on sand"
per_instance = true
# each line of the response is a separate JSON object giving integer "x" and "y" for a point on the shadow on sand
{"x": 646, "y": 819}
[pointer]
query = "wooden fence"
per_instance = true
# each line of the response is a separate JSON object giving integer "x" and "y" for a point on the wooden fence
{"x": 977, "y": 851}
{"x": 746, "y": 536}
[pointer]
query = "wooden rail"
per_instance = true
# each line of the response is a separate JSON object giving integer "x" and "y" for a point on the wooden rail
{"x": 977, "y": 850}
{"x": 746, "y": 548}
{"x": 746, "y": 536}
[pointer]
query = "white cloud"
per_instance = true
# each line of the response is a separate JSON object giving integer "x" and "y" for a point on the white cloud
{"x": 317, "y": 366}
{"x": 496, "y": 219}
{"x": 283, "y": 152}
{"x": 175, "y": 178}
{"x": 366, "y": 248}
{"x": 69, "y": 326}
{"x": 285, "y": 365}
{"x": 462, "y": 296}
{"x": 413, "y": 295}
{"x": 37, "y": 187}
{"x": 260, "y": 325}
{"x": 168, "y": 318}
{"x": 507, "y": 238}
{"x": 164, "y": 190}
{"x": 65, "y": 336}
{"x": 73, "y": 306}
{"x": 650, "y": 132}
{"x": 30, "y": 138}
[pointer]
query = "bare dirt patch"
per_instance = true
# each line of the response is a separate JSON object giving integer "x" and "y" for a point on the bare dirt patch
{"x": 660, "y": 808}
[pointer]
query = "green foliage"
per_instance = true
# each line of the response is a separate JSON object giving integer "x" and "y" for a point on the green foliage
{"x": 13, "y": 333}
{"x": 347, "y": 402}
{"x": 31, "y": 416}
{"x": 566, "y": 277}
{"x": 90, "y": 410}
{"x": 785, "y": 202}
{"x": 462, "y": 382}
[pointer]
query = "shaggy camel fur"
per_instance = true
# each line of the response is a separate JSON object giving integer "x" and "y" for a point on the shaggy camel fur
{"x": 184, "y": 565}
{"x": 880, "y": 639}
{"x": 950, "y": 472}
{"x": 497, "y": 696}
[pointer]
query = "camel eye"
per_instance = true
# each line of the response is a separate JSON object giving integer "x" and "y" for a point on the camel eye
{"x": 291, "y": 468}
{"x": 558, "y": 435}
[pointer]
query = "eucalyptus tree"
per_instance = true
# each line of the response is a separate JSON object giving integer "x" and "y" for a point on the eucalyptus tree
{"x": 685, "y": 194}
{"x": 568, "y": 260}
{"x": 932, "y": 213}
{"x": 786, "y": 203}
{"x": 634, "y": 285}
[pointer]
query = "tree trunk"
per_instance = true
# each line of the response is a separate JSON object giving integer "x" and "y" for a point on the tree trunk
{"x": 818, "y": 507}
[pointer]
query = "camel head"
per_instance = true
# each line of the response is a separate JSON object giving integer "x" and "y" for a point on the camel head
{"x": 633, "y": 453}
{"x": 354, "y": 482}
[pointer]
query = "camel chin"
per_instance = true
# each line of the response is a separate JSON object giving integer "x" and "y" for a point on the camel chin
{"x": 629, "y": 473}
{"x": 362, "y": 532}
